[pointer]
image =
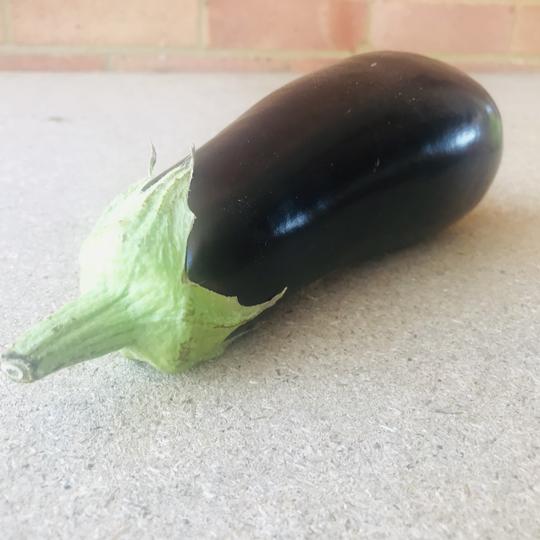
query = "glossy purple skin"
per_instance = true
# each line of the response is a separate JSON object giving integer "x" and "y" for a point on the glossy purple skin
{"x": 364, "y": 157}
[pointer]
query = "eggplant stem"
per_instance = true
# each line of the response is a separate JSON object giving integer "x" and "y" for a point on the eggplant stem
{"x": 92, "y": 325}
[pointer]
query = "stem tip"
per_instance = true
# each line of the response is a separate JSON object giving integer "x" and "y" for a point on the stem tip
{"x": 16, "y": 367}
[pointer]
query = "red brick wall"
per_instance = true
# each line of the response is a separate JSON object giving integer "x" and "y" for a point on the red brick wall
{"x": 262, "y": 34}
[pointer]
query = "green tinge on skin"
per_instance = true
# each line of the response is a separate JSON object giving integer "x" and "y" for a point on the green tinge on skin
{"x": 135, "y": 293}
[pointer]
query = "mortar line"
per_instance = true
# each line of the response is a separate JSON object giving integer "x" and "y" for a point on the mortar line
{"x": 278, "y": 54}
{"x": 199, "y": 23}
{"x": 6, "y": 21}
{"x": 204, "y": 24}
{"x": 240, "y": 52}
{"x": 366, "y": 42}
{"x": 517, "y": 8}
{"x": 471, "y": 2}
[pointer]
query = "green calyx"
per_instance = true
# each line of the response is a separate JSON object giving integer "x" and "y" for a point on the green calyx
{"x": 136, "y": 295}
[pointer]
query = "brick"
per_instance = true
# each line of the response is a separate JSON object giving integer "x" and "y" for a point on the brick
{"x": 442, "y": 28}
{"x": 347, "y": 24}
{"x": 104, "y": 22}
{"x": 48, "y": 62}
{"x": 286, "y": 24}
{"x": 527, "y": 30}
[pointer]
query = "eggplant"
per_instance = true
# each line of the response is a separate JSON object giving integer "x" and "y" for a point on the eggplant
{"x": 370, "y": 155}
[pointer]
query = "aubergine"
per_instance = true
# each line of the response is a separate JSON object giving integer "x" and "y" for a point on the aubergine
{"x": 370, "y": 155}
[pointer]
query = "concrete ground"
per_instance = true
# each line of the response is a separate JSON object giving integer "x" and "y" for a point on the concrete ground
{"x": 396, "y": 400}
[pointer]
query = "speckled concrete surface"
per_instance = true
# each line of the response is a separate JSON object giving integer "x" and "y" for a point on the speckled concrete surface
{"x": 399, "y": 399}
